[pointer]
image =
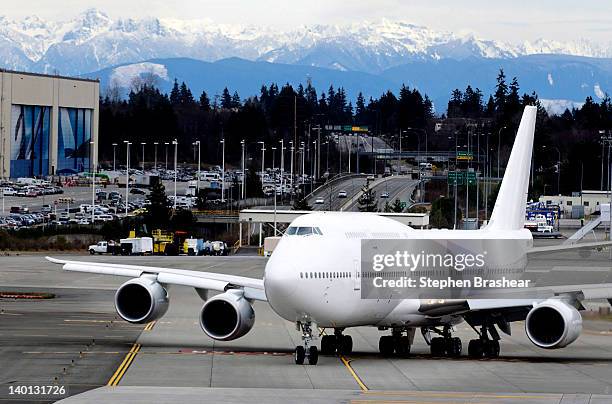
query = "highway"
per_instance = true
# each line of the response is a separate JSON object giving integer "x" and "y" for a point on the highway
{"x": 329, "y": 193}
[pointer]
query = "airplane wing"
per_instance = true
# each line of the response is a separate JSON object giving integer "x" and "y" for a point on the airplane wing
{"x": 201, "y": 281}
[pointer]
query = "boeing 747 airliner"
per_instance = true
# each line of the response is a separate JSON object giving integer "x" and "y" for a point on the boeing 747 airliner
{"x": 314, "y": 278}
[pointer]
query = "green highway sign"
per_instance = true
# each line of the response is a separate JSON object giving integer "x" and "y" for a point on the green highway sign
{"x": 460, "y": 177}
{"x": 464, "y": 155}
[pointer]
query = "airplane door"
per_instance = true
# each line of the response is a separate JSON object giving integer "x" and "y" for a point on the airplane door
{"x": 356, "y": 275}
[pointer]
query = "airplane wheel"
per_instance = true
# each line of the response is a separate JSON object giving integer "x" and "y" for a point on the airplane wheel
{"x": 300, "y": 354}
{"x": 475, "y": 349}
{"x": 328, "y": 345}
{"x": 438, "y": 346}
{"x": 313, "y": 355}
{"x": 345, "y": 346}
{"x": 491, "y": 349}
{"x": 454, "y": 347}
{"x": 402, "y": 346}
{"x": 386, "y": 345}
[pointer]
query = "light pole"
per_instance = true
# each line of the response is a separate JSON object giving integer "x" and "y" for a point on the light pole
{"x": 197, "y": 143}
{"x": 175, "y": 143}
{"x": 222, "y": 170}
{"x": 282, "y": 168}
{"x": 127, "y": 175}
{"x": 93, "y": 181}
{"x": 166, "y": 144}
{"x": 155, "y": 154}
{"x": 498, "y": 147}
{"x": 114, "y": 154}
{"x": 143, "y": 157}
{"x": 399, "y": 156}
{"x": 242, "y": 192}
{"x": 273, "y": 158}
{"x": 263, "y": 156}
{"x": 313, "y": 166}
{"x": 292, "y": 150}
{"x": 327, "y": 158}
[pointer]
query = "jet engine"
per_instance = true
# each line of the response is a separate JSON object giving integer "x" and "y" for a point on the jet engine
{"x": 141, "y": 300}
{"x": 553, "y": 324}
{"x": 227, "y": 316}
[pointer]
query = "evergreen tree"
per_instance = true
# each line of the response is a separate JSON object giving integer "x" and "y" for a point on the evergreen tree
{"x": 185, "y": 96}
{"x": 226, "y": 99}
{"x": 236, "y": 102}
{"x": 253, "y": 184}
{"x": 175, "y": 94}
{"x": 442, "y": 211}
{"x": 360, "y": 108}
{"x": 367, "y": 201}
{"x": 204, "y": 102}
{"x": 513, "y": 102}
{"x": 159, "y": 210}
{"x": 397, "y": 206}
{"x": 501, "y": 92}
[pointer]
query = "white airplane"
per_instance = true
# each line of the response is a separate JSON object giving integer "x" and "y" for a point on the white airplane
{"x": 314, "y": 279}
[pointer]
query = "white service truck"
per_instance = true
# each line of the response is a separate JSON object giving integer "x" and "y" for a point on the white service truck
{"x": 103, "y": 247}
{"x": 136, "y": 246}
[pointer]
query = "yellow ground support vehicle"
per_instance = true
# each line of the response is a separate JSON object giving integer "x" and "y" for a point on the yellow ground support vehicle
{"x": 161, "y": 241}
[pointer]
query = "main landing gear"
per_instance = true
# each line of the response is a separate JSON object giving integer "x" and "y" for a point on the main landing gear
{"x": 337, "y": 343}
{"x": 311, "y": 353}
{"x": 445, "y": 344}
{"x": 396, "y": 343}
{"x": 484, "y": 346}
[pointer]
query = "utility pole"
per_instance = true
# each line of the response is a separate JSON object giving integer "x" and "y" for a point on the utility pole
{"x": 155, "y": 154}
{"x": 127, "y": 175}
{"x": 263, "y": 167}
{"x": 93, "y": 182}
{"x": 166, "y": 144}
{"x": 222, "y": 170}
{"x": 143, "y": 156}
{"x": 175, "y": 143}
{"x": 114, "y": 154}
{"x": 197, "y": 143}
{"x": 243, "y": 172}
{"x": 282, "y": 168}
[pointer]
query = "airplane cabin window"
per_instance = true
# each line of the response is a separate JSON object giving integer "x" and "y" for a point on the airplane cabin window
{"x": 291, "y": 231}
{"x": 304, "y": 231}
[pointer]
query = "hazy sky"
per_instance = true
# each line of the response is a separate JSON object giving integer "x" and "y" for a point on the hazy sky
{"x": 514, "y": 20}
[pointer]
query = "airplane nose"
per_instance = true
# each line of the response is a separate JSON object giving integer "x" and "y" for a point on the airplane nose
{"x": 280, "y": 281}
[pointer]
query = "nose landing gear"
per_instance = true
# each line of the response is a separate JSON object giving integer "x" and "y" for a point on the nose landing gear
{"x": 306, "y": 351}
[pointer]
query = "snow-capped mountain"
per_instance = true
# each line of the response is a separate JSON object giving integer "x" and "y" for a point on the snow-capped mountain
{"x": 93, "y": 41}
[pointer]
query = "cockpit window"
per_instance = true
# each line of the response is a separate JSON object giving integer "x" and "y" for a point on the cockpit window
{"x": 303, "y": 231}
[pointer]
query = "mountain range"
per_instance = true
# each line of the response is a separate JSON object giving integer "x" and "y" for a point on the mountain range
{"x": 385, "y": 52}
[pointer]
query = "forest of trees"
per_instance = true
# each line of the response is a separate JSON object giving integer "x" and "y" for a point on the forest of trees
{"x": 148, "y": 115}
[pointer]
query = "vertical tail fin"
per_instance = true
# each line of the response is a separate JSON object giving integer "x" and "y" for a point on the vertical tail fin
{"x": 509, "y": 210}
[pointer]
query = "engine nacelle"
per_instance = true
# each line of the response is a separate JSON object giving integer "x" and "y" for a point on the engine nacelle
{"x": 141, "y": 300}
{"x": 553, "y": 324}
{"x": 227, "y": 316}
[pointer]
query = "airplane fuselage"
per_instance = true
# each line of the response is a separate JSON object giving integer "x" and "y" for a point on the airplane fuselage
{"x": 316, "y": 276}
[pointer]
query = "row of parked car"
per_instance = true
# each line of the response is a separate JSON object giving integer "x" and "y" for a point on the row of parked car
{"x": 29, "y": 187}
{"x": 18, "y": 220}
